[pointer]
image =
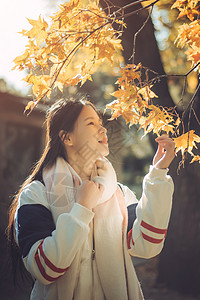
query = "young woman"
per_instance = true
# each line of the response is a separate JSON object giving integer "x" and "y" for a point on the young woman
{"x": 76, "y": 227}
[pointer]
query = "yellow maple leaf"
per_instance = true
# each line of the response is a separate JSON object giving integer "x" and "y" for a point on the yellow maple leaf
{"x": 193, "y": 54}
{"x": 187, "y": 8}
{"x": 120, "y": 22}
{"x": 195, "y": 158}
{"x": 189, "y": 13}
{"x": 38, "y": 30}
{"x": 41, "y": 84}
{"x": 157, "y": 120}
{"x": 178, "y": 3}
{"x": 21, "y": 60}
{"x": 147, "y": 93}
{"x": 59, "y": 85}
{"x": 30, "y": 105}
{"x": 85, "y": 78}
{"x": 186, "y": 142}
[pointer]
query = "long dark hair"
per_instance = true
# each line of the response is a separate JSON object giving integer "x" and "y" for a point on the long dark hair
{"x": 61, "y": 116}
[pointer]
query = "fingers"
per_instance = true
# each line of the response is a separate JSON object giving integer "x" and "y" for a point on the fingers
{"x": 163, "y": 138}
{"x": 99, "y": 186}
{"x": 165, "y": 152}
{"x": 101, "y": 166}
{"x": 166, "y": 143}
{"x": 96, "y": 184}
{"x": 100, "y": 163}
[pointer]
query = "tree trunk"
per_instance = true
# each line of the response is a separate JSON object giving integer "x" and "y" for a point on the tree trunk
{"x": 179, "y": 265}
{"x": 147, "y": 51}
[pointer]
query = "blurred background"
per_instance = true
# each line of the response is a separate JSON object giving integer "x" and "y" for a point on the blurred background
{"x": 175, "y": 273}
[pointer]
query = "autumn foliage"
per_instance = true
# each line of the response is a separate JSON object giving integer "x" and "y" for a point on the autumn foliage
{"x": 70, "y": 49}
{"x": 80, "y": 39}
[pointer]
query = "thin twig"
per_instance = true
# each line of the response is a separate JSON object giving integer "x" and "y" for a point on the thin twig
{"x": 192, "y": 103}
{"x": 185, "y": 110}
{"x": 138, "y": 10}
{"x": 102, "y": 17}
{"x": 196, "y": 116}
{"x": 183, "y": 93}
{"x": 136, "y": 34}
{"x": 192, "y": 69}
{"x": 108, "y": 7}
{"x": 113, "y": 5}
{"x": 135, "y": 3}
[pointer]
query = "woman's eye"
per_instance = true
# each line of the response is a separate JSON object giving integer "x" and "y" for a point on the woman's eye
{"x": 92, "y": 123}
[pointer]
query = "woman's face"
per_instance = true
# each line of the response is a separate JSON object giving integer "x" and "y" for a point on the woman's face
{"x": 89, "y": 138}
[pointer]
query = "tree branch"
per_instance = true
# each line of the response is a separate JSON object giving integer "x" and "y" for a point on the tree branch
{"x": 138, "y": 10}
{"x": 136, "y": 34}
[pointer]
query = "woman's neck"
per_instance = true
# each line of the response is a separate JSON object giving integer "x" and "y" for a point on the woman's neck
{"x": 83, "y": 168}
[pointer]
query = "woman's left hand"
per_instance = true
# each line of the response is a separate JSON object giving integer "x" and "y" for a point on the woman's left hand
{"x": 165, "y": 152}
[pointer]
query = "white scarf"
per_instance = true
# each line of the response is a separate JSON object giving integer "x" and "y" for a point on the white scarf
{"x": 116, "y": 272}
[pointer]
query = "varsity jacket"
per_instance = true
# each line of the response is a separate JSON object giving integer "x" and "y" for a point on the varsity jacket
{"x": 49, "y": 249}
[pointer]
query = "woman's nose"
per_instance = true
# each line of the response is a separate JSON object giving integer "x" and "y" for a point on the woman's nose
{"x": 103, "y": 129}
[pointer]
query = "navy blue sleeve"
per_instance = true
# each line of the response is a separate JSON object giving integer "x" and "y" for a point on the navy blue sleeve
{"x": 131, "y": 212}
{"x": 131, "y": 215}
{"x": 34, "y": 222}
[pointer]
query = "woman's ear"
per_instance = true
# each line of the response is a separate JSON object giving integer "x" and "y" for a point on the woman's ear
{"x": 65, "y": 137}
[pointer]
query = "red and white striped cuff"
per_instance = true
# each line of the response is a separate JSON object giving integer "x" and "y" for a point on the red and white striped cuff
{"x": 46, "y": 267}
{"x": 152, "y": 234}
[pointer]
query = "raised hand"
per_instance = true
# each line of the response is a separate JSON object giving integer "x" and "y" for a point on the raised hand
{"x": 165, "y": 152}
{"x": 89, "y": 193}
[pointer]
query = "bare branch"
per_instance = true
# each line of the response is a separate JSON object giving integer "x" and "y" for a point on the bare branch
{"x": 135, "y": 3}
{"x": 192, "y": 103}
{"x": 136, "y": 34}
{"x": 183, "y": 92}
{"x": 138, "y": 10}
{"x": 195, "y": 116}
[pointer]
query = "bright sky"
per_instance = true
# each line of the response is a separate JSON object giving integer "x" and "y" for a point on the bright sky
{"x": 13, "y": 16}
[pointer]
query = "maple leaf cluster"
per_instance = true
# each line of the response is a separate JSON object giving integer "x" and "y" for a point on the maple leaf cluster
{"x": 134, "y": 103}
{"x": 78, "y": 40}
{"x": 189, "y": 34}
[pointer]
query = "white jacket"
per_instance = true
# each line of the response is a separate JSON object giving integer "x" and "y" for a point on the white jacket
{"x": 49, "y": 250}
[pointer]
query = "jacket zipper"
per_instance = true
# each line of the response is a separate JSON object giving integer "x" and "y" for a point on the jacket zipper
{"x": 93, "y": 257}
{"x": 93, "y": 254}
{"x": 93, "y": 242}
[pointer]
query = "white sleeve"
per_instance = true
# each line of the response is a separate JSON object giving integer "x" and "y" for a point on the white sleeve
{"x": 49, "y": 257}
{"x": 146, "y": 238}
{"x": 129, "y": 195}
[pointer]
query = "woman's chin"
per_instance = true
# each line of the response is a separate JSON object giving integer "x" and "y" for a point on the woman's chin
{"x": 104, "y": 150}
{"x": 106, "y": 153}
